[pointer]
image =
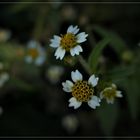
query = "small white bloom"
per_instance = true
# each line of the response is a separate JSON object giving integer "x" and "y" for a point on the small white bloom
{"x": 54, "y": 73}
{"x": 70, "y": 123}
{"x": 82, "y": 91}
{"x": 110, "y": 93}
{"x": 70, "y": 42}
{"x": 4, "y": 35}
{"x": 35, "y": 53}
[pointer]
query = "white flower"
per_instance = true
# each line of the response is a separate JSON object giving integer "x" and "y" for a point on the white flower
{"x": 70, "y": 42}
{"x": 54, "y": 73}
{"x": 110, "y": 93}
{"x": 82, "y": 91}
{"x": 70, "y": 123}
{"x": 35, "y": 53}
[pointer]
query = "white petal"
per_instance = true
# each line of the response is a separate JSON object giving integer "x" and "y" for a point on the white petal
{"x": 74, "y": 103}
{"x": 81, "y": 37}
{"x": 79, "y": 48}
{"x": 40, "y": 60}
{"x": 28, "y": 59}
{"x": 72, "y": 29}
{"x": 114, "y": 86}
{"x": 55, "y": 42}
{"x": 95, "y": 101}
{"x": 59, "y": 53}
{"x": 76, "y": 76}
{"x": 76, "y": 50}
{"x": 72, "y": 52}
{"x": 32, "y": 44}
{"x": 67, "y": 86}
{"x": 110, "y": 100}
{"x": 56, "y": 39}
{"x": 76, "y": 31}
{"x": 101, "y": 95}
{"x": 118, "y": 94}
{"x": 93, "y": 80}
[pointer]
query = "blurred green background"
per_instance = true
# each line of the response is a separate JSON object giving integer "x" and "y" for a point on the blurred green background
{"x": 32, "y": 102}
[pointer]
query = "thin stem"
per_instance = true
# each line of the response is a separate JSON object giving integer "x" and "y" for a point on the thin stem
{"x": 84, "y": 64}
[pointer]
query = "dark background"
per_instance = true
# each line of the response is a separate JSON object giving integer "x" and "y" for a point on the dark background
{"x": 36, "y": 107}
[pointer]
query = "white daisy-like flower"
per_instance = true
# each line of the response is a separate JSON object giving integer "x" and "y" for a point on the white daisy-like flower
{"x": 70, "y": 42}
{"x": 82, "y": 91}
{"x": 110, "y": 93}
{"x": 35, "y": 53}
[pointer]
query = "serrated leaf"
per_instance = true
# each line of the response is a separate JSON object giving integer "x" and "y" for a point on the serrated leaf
{"x": 107, "y": 115}
{"x": 93, "y": 59}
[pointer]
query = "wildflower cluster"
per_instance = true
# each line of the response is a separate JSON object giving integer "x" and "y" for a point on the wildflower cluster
{"x": 82, "y": 90}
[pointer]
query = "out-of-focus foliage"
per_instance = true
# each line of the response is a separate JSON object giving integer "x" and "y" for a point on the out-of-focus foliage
{"x": 33, "y": 95}
{"x": 96, "y": 53}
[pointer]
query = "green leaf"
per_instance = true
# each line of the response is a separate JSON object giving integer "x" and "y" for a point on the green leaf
{"x": 115, "y": 40}
{"x": 128, "y": 77}
{"x": 108, "y": 115}
{"x": 132, "y": 88}
{"x": 93, "y": 59}
{"x": 119, "y": 73}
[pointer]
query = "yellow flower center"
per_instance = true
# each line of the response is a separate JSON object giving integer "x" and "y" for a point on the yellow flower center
{"x": 109, "y": 93}
{"x": 33, "y": 52}
{"x": 82, "y": 91}
{"x": 68, "y": 41}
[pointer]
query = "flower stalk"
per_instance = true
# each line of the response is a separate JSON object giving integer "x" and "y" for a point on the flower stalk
{"x": 84, "y": 64}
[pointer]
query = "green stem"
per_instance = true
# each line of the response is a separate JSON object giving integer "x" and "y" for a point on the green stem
{"x": 84, "y": 64}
